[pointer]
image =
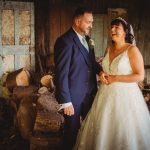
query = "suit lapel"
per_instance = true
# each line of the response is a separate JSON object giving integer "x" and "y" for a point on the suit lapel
{"x": 82, "y": 49}
{"x": 91, "y": 50}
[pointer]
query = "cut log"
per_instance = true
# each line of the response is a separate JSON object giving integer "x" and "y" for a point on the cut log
{"x": 19, "y": 77}
{"x": 26, "y": 116}
{"x": 24, "y": 91}
{"x": 46, "y": 143}
{"x": 47, "y": 81}
{"x": 48, "y": 122}
{"x": 47, "y": 102}
{"x": 23, "y": 78}
{"x": 43, "y": 90}
{"x": 11, "y": 79}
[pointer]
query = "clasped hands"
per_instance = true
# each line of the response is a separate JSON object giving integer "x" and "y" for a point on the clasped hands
{"x": 106, "y": 78}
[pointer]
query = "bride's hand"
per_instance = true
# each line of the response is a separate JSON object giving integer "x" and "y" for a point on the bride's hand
{"x": 111, "y": 79}
{"x": 103, "y": 77}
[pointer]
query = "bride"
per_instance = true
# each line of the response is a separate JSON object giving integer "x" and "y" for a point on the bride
{"x": 119, "y": 118}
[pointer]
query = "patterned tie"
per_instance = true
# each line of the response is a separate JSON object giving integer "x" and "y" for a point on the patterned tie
{"x": 84, "y": 42}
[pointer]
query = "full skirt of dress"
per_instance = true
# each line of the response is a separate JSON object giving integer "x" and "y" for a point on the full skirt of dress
{"x": 118, "y": 120}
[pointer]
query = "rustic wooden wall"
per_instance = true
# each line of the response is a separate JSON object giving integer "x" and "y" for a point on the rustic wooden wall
{"x": 53, "y": 17}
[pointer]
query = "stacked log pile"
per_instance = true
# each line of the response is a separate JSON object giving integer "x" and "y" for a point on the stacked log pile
{"x": 19, "y": 77}
{"x": 16, "y": 85}
{"x": 37, "y": 117}
{"x": 48, "y": 128}
{"x": 26, "y": 116}
{"x": 19, "y": 92}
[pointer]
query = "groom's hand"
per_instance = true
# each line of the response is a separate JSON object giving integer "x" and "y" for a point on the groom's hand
{"x": 69, "y": 110}
{"x": 103, "y": 77}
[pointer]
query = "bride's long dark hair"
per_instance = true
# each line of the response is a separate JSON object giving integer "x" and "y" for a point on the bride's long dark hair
{"x": 127, "y": 28}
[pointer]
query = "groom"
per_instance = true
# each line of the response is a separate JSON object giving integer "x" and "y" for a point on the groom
{"x": 75, "y": 70}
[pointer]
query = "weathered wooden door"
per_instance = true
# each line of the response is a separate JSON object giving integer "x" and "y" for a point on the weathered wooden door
{"x": 16, "y": 36}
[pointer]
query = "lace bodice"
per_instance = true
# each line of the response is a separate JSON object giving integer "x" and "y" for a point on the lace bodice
{"x": 119, "y": 66}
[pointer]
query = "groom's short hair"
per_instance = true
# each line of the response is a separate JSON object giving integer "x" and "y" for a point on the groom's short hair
{"x": 80, "y": 11}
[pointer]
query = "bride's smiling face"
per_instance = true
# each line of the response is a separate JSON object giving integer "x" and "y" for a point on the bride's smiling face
{"x": 117, "y": 32}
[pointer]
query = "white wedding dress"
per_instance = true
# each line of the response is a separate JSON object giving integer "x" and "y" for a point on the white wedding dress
{"x": 119, "y": 118}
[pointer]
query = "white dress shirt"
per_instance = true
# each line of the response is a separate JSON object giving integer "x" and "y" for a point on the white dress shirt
{"x": 82, "y": 40}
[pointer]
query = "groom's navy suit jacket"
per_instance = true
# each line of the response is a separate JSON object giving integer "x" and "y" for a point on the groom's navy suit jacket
{"x": 75, "y": 69}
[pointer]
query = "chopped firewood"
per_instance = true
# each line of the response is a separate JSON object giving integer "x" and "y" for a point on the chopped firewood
{"x": 3, "y": 79}
{"x": 47, "y": 102}
{"x": 43, "y": 90}
{"x": 5, "y": 92}
{"x": 24, "y": 91}
{"x": 11, "y": 79}
{"x": 23, "y": 78}
{"x": 48, "y": 122}
{"x": 47, "y": 81}
{"x": 46, "y": 143}
{"x": 19, "y": 77}
{"x": 26, "y": 116}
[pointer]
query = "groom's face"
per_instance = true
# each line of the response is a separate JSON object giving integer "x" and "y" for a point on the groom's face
{"x": 84, "y": 23}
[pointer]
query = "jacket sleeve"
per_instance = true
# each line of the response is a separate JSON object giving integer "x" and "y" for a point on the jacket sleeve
{"x": 62, "y": 58}
{"x": 98, "y": 67}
